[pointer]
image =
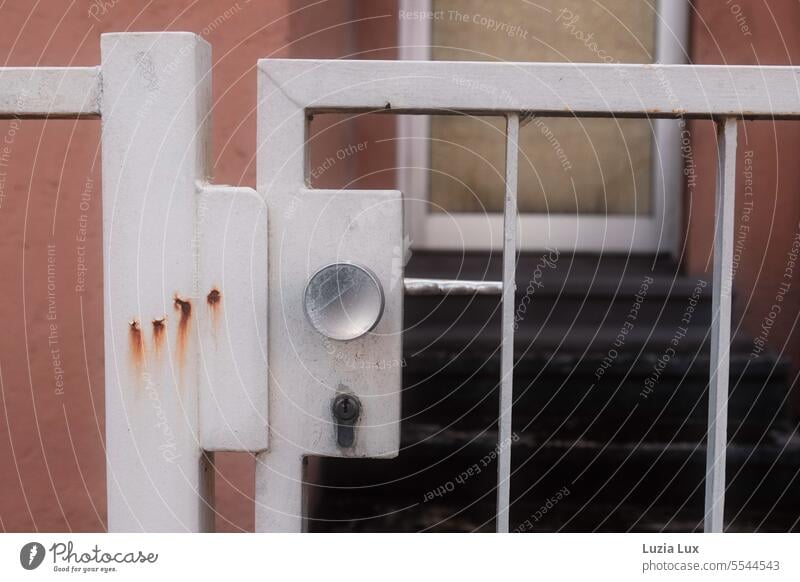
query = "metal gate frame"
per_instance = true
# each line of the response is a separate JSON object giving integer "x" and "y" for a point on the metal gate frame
{"x": 179, "y": 385}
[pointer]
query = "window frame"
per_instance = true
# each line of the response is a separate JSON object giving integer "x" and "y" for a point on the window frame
{"x": 658, "y": 232}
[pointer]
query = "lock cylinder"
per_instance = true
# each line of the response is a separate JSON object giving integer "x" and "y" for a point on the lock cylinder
{"x": 346, "y": 409}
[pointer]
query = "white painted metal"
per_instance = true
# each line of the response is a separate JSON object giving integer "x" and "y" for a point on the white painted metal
{"x": 310, "y": 229}
{"x": 721, "y": 329}
{"x": 280, "y": 174}
{"x": 451, "y": 287}
{"x": 56, "y": 92}
{"x": 585, "y": 233}
{"x": 507, "y": 348}
{"x": 156, "y": 95}
{"x": 552, "y": 89}
{"x": 232, "y": 319}
{"x": 186, "y": 289}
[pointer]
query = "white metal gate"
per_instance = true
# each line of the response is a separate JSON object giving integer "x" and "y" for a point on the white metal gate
{"x": 209, "y": 343}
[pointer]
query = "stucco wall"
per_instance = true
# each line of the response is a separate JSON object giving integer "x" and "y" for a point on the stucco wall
{"x": 751, "y": 32}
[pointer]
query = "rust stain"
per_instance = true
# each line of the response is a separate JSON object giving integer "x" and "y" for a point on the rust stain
{"x": 214, "y": 299}
{"x": 159, "y": 325}
{"x": 184, "y": 306}
{"x": 135, "y": 344}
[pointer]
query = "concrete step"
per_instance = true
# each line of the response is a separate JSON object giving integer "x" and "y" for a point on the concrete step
{"x": 611, "y": 487}
{"x": 619, "y": 408}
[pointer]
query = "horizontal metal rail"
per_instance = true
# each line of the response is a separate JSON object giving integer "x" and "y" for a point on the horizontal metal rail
{"x": 451, "y": 287}
{"x": 50, "y": 92}
{"x": 548, "y": 89}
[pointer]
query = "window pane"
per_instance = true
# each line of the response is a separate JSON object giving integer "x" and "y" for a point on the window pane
{"x": 567, "y": 165}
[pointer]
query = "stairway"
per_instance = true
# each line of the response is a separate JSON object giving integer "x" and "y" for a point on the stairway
{"x": 610, "y": 413}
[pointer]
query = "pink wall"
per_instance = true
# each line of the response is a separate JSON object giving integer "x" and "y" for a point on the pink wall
{"x": 767, "y": 162}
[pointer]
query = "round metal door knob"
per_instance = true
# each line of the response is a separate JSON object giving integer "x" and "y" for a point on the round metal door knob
{"x": 343, "y": 301}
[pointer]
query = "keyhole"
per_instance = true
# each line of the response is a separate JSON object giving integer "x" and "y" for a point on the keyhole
{"x": 346, "y": 409}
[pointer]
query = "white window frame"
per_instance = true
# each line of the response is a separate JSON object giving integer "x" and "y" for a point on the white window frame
{"x": 660, "y": 231}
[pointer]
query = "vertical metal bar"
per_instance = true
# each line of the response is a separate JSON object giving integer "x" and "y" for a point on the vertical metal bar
{"x": 156, "y": 95}
{"x": 507, "y": 353}
{"x": 721, "y": 330}
{"x": 279, "y": 502}
{"x": 280, "y": 175}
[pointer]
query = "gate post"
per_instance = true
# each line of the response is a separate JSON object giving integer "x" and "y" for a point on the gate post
{"x": 155, "y": 105}
{"x": 311, "y": 231}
